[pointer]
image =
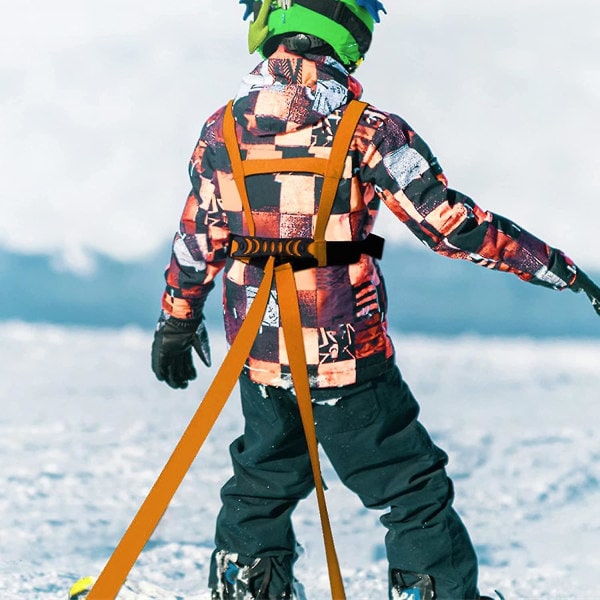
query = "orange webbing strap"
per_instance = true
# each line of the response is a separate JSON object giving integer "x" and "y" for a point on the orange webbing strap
{"x": 151, "y": 511}
{"x": 332, "y": 173}
{"x": 335, "y": 170}
{"x": 154, "y": 506}
{"x": 300, "y": 164}
{"x": 294, "y": 343}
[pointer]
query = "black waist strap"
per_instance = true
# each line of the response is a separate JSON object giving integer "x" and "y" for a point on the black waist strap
{"x": 297, "y": 251}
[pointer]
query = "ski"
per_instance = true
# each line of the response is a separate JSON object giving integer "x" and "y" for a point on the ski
{"x": 80, "y": 589}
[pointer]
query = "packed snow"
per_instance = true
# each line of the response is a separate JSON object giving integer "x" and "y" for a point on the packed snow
{"x": 85, "y": 429}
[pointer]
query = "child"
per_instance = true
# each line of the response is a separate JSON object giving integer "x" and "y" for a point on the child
{"x": 292, "y": 106}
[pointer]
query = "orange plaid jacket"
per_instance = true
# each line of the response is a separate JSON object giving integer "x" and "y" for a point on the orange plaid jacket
{"x": 290, "y": 106}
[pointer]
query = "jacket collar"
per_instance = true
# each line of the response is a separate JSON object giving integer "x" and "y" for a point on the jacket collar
{"x": 287, "y": 92}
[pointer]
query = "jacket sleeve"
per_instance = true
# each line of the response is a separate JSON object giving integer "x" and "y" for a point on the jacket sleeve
{"x": 200, "y": 246}
{"x": 410, "y": 181}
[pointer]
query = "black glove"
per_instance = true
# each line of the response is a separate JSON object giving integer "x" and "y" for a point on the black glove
{"x": 583, "y": 283}
{"x": 172, "y": 349}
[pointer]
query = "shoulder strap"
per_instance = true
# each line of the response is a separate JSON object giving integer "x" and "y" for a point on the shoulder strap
{"x": 335, "y": 170}
{"x": 337, "y": 162}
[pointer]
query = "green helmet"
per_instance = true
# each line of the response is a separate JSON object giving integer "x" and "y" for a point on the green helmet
{"x": 344, "y": 26}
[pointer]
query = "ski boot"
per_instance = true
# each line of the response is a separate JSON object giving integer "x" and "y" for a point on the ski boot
{"x": 411, "y": 586}
{"x": 242, "y": 578}
{"x": 417, "y": 586}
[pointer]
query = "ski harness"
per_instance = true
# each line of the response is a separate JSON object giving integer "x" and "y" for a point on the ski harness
{"x": 300, "y": 253}
{"x": 279, "y": 258}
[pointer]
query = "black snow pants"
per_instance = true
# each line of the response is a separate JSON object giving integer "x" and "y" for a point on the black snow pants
{"x": 379, "y": 450}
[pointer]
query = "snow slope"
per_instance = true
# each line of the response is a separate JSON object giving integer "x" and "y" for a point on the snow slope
{"x": 85, "y": 430}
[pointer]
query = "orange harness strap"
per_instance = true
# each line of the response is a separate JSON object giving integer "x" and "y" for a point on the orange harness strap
{"x": 294, "y": 342}
{"x": 237, "y": 166}
{"x": 332, "y": 170}
{"x": 154, "y": 506}
{"x": 335, "y": 171}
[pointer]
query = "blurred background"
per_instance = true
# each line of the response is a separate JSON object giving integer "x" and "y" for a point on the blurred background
{"x": 101, "y": 105}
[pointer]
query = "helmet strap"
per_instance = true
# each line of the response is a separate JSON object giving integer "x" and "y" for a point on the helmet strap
{"x": 301, "y": 43}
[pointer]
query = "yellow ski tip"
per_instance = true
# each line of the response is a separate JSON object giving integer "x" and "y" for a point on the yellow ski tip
{"x": 80, "y": 588}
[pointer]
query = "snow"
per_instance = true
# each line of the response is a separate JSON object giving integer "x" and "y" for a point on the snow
{"x": 85, "y": 429}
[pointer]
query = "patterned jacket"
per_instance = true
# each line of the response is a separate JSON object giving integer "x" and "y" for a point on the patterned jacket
{"x": 288, "y": 107}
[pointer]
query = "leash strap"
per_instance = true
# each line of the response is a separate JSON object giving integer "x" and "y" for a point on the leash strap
{"x": 119, "y": 565}
{"x": 294, "y": 343}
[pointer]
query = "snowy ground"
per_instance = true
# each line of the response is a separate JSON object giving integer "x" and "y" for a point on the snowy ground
{"x": 85, "y": 429}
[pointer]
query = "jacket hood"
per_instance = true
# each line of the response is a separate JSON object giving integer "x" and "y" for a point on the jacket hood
{"x": 287, "y": 92}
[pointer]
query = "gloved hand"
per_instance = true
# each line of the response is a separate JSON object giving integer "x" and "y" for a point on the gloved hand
{"x": 172, "y": 349}
{"x": 583, "y": 283}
